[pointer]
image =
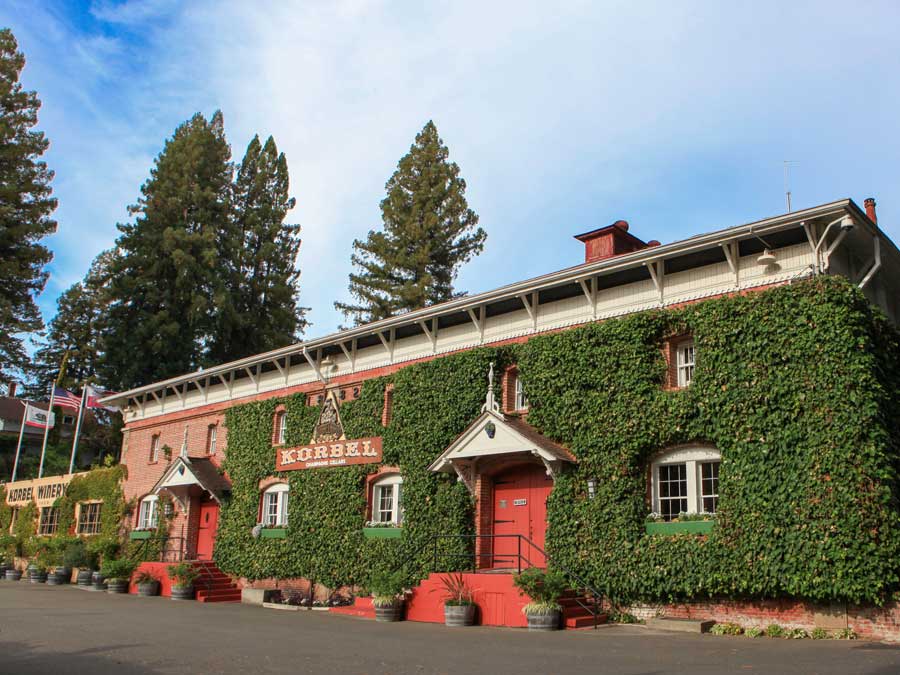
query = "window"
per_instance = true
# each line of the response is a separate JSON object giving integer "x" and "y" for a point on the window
{"x": 49, "y": 520}
{"x": 211, "y": 439}
{"x": 154, "y": 449}
{"x": 89, "y": 518}
{"x": 387, "y": 506}
{"x": 148, "y": 514}
{"x": 68, "y": 420}
{"x": 685, "y": 481}
{"x": 275, "y": 506}
{"x": 684, "y": 359}
{"x": 521, "y": 400}
{"x": 280, "y": 427}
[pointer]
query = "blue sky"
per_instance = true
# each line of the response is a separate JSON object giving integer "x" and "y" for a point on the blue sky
{"x": 562, "y": 116}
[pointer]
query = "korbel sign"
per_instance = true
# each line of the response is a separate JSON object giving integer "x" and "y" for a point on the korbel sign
{"x": 42, "y": 491}
{"x": 329, "y": 446}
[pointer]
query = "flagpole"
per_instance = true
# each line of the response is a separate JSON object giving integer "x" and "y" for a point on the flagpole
{"x": 19, "y": 444}
{"x": 78, "y": 427}
{"x": 46, "y": 430}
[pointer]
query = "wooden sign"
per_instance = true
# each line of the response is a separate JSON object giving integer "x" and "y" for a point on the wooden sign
{"x": 334, "y": 453}
{"x": 41, "y": 491}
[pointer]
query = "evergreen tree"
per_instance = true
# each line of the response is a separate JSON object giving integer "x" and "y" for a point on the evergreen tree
{"x": 168, "y": 274}
{"x": 260, "y": 311}
{"x": 25, "y": 208}
{"x": 429, "y": 231}
{"x": 76, "y": 331}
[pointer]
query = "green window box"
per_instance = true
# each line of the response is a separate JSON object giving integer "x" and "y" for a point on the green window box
{"x": 381, "y": 532}
{"x": 273, "y": 533}
{"x": 140, "y": 534}
{"x": 688, "y": 527}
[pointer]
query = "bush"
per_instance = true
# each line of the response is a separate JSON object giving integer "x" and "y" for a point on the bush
{"x": 797, "y": 634}
{"x": 118, "y": 570}
{"x": 145, "y": 577}
{"x": 387, "y": 588}
{"x": 845, "y": 634}
{"x": 773, "y": 630}
{"x": 726, "y": 629}
{"x": 183, "y": 574}
{"x": 77, "y": 555}
{"x": 753, "y": 632}
{"x": 619, "y": 616}
{"x": 819, "y": 634}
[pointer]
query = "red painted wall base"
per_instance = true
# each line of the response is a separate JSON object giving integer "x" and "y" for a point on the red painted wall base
{"x": 499, "y": 602}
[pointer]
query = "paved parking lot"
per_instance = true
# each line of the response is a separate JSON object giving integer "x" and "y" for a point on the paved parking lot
{"x": 69, "y": 631}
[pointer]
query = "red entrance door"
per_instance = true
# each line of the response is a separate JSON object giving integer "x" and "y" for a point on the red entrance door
{"x": 206, "y": 534}
{"x": 520, "y": 508}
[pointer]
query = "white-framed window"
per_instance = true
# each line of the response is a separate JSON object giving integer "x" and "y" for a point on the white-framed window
{"x": 49, "y": 520}
{"x": 387, "y": 496}
{"x": 281, "y": 427}
{"x": 521, "y": 400}
{"x": 685, "y": 480}
{"x": 148, "y": 514}
{"x": 154, "y": 449}
{"x": 89, "y": 518}
{"x": 684, "y": 360}
{"x": 275, "y": 506}
{"x": 211, "y": 434}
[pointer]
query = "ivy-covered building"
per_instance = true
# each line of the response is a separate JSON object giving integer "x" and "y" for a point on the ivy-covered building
{"x": 708, "y": 426}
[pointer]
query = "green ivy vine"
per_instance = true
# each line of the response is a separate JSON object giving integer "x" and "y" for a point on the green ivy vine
{"x": 796, "y": 386}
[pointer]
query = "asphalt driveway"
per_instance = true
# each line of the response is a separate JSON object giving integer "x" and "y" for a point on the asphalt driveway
{"x": 68, "y": 631}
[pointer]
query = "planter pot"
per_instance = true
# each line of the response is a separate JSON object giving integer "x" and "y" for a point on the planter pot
{"x": 148, "y": 590}
{"x": 688, "y": 527}
{"x": 55, "y": 579}
{"x": 84, "y": 577}
{"x": 382, "y": 532}
{"x": 117, "y": 586}
{"x": 13, "y": 575}
{"x": 459, "y": 615}
{"x": 182, "y": 592}
{"x": 98, "y": 581}
{"x": 37, "y": 577}
{"x": 544, "y": 621}
{"x": 3, "y": 568}
{"x": 64, "y": 574}
{"x": 390, "y": 613}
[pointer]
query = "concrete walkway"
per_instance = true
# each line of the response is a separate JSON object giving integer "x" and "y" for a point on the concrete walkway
{"x": 68, "y": 631}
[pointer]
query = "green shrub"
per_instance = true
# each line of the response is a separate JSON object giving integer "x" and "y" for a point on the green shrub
{"x": 387, "y": 588}
{"x": 115, "y": 570}
{"x": 753, "y": 632}
{"x": 845, "y": 634}
{"x": 819, "y": 634}
{"x": 77, "y": 555}
{"x": 620, "y": 616}
{"x": 183, "y": 574}
{"x": 773, "y": 630}
{"x": 726, "y": 629}
{"x": 797, "y": 634}
{"x": 145, "y": 577}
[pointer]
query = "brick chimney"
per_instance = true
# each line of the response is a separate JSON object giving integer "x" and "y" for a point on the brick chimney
{"x": 610, "y": 241}
{"x": 870, "y": 209}
{"x": 12, "y": 388}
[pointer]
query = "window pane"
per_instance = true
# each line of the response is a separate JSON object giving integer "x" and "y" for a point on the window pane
{"x": 385, "y": 504}
{"x": 709, "y": 486}
{"x": 672, "y": 490}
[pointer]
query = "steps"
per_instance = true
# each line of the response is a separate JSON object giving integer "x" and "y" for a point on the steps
{"x": 578, "y": 614}
{"x": 213, "y": 585}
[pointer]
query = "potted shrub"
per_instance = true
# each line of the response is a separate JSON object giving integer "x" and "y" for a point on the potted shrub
{"x": 118, "y": 574}
{"x": 76, "y": 556}
{"x": 147, "y": 583}
{"x": 544, "y": 589}
{"x": 459, "y": 601}
{"x": 37, "y": 572}
{"x": 98, "y": 581}
{"x": 387, "y": 595}
{"x": 183, "y": 577}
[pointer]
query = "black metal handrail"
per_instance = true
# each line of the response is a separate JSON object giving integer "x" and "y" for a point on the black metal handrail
{"x": 520, "y": 557}
{"x": 171, "y": 549}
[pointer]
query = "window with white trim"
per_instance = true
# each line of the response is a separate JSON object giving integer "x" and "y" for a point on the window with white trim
{"x": 211, "y": 434}
{"x": 49, "y": 520}
{"x": 148, "y": 513}
{"x": 684, "y": 361}
{"x": 89, "y": 518}
{"x": 154, "y": 449}
{"x": 281, "y": 427}
{"x": 521, "y": 399}
{"x": 275, "y": 506}
{"x": 685, "y": 480}
{"x": 387, "y": 496}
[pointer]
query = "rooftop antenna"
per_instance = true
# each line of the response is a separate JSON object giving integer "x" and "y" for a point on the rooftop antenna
{"x": 787, "y": 190}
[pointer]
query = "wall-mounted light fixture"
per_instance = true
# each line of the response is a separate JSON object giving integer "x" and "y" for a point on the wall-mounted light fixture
{"x": 592, "y": 487}
{"x": 490, "y": 429}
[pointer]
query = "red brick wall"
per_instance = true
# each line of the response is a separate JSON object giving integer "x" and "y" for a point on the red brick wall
{"x": 869, "y": 622}
{"x": 484, "y": 518}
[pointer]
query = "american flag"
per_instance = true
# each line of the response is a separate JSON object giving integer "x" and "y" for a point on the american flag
{"x": 66, "y": 399}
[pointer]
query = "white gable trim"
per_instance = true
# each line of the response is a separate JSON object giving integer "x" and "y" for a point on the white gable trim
{"x": 180, "y": 474}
